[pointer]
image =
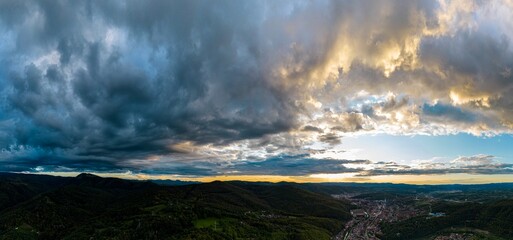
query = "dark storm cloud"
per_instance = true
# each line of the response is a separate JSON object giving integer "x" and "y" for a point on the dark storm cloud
{"x": 45, "y": 160}
{"x": 295, "y": 165}
{"x": 126, "y": 80}
{"x": 479, "y": 64}
{"x": 186, "y": 71}
{"x": 288, "y": 165}
{"x": 330, "y": 138}
{"x": 310, "y": 128}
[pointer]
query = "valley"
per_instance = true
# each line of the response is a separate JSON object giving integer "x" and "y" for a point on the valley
{"x": 91, "y": 207}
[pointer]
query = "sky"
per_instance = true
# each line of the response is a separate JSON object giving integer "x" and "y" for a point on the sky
{"x": 308, "y": 91}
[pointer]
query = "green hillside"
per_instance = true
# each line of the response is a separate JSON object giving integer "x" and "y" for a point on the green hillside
{"x": 493, "y": 218}
{"x": 90, "y": 207}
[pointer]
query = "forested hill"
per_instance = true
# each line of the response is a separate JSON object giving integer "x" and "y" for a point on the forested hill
{"x": 91, "y": 207}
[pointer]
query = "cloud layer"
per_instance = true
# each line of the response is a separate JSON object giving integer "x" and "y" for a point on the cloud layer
{"x": 477, "y": 164}
{"x": 206, "y": 88}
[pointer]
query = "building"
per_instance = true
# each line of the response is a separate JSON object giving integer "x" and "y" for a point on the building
{"x": 359, "y": 213}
